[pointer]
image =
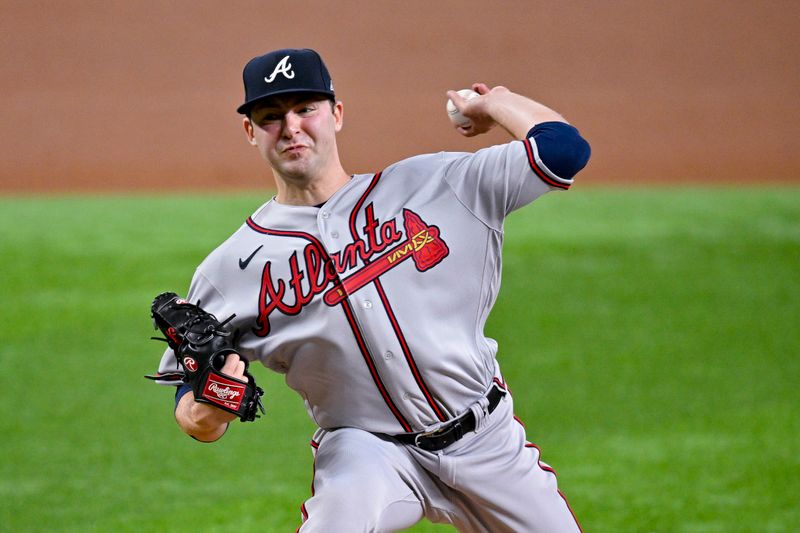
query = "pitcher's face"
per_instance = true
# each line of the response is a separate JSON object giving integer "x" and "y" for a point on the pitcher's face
{"x": 296, "y": 134}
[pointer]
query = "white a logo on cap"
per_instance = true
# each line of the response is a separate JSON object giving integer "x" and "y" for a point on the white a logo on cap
{"x": 283, "y": 67}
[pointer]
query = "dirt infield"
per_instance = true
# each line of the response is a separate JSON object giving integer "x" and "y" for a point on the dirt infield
{"x": 103, "y": 95}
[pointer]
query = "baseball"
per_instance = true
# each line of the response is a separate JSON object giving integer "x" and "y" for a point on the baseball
{"x": 454, "y": 114}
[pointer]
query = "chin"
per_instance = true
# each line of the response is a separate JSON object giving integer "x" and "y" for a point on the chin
{"x": 294, "y": 172}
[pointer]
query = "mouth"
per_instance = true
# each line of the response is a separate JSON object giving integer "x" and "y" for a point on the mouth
{"x": 293, "y": 149}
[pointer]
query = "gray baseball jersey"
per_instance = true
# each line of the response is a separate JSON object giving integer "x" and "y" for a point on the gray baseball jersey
{"x": 373, "y": 305}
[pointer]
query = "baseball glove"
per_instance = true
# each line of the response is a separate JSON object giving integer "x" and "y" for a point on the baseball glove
{"x": 201, "y": 343}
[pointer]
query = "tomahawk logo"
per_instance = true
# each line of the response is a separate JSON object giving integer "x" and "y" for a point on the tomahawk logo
{"x": 313, "y": 271}
{"x": 283, "y": 67}
{"x": 423, "y": 245}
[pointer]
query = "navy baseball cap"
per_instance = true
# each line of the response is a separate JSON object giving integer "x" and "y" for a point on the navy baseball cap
{"x": 288, "y": 70}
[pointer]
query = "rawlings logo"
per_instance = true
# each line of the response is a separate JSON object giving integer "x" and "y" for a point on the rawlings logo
{"x": 223, "y": 393}
{"x": 422, "y": 243}
{"x": 173, "y": 336}
{"x": 190, "y": 364}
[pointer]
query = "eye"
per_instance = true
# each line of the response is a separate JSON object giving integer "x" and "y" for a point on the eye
{"x": 305, "y": 109}
{"x": 268, "y": 118}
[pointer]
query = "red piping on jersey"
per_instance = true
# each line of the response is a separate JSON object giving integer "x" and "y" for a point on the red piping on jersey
{"x": 548, "y": 468}
{"x": 360, "y": 202}
{"x": 303, "y": 510}
{"x": 348, "y": 311}
{"x": 408, "y": 355}
{"x": 538, "y": 171}
{"x": 371, "y": 366}
{"x": 390, "y": 313}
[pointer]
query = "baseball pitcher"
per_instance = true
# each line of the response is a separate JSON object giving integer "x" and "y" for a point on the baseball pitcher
{"x": 369, "y": 293}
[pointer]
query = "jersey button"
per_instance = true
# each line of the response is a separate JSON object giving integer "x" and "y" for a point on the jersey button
{"x": 325, "y": 214}
{"x": 335, "y": 234}
{"x": 406, "y": 395}
{"x": 367, "y": 304}
{"x": 388, "y": 355}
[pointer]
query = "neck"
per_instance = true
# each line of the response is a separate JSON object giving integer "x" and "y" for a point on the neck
{"x": 309, "y": 192}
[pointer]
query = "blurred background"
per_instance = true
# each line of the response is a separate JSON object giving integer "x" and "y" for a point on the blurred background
{"x": 647, "y": 320}
{"x": 120, "y": 95}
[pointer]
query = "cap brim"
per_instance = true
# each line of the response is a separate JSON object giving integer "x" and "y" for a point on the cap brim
{"x": 245, "y": 107}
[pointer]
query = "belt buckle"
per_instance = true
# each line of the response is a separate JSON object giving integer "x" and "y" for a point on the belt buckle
{"x": 419, "y": 436}
{"x": 454, "y": 426}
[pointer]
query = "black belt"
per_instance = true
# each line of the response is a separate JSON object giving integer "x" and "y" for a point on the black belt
{"x": 453, "y": 430}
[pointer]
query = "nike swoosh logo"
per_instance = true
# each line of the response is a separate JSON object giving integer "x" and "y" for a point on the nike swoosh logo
{"x": 243, "y": 264}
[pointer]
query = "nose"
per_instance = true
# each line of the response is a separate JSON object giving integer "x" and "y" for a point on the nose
{"x": 291, "y": 124}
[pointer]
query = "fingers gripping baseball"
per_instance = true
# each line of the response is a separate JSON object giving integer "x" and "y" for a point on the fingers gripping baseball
{"x": 473, "y": 109}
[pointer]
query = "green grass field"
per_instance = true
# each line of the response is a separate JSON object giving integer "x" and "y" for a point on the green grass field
{"x": 651, "y": 338}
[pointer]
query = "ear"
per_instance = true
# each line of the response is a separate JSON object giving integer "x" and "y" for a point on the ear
{"x": 338, "y": 115}
{"x": 248, "y": 130}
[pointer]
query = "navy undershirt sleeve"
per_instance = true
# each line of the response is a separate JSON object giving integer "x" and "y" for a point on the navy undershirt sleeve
{"x": 183, "y": 389}
{"x": 561, "y": 148}
{"x": 179, "y": 393}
